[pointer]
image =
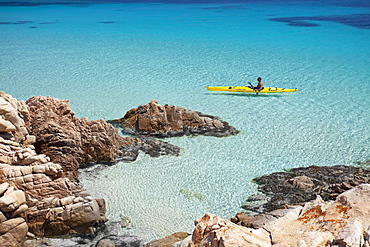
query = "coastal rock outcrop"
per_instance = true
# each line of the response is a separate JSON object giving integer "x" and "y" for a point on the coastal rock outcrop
{"x": 71, "y": 141}
{"x": 35, "y": 199}
{"x": 39, "y": 195}
{"x": 167, "y": 121}
{"x": 34, "y": 192}
{"x": 300, "y": 185}
{"x": 343, "y": 222}
{"x": 68, "y": 140}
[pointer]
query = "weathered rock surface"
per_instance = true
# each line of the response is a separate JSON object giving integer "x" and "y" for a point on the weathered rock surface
{"x": 167, "y": 121}
{"x": 70, "y": 141}
{"x": 13, "y": 115}
{"x": 303, "y": 184}
{"x": 35, "y": 199}
{"x": 212, "y": 230}
{"x": 169, "y": 240}
{"x": 35, "y": 190}
{"x": 343, "y": 222}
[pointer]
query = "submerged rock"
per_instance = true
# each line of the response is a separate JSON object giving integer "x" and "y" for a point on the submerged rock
{"x": 168, "y": 241}
{"x": 303, "y": 184}
{"x": 107, "y": 234}
{"x": 168, "y": 121}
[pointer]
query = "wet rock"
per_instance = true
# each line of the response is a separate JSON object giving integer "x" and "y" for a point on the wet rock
{"x": 300, "y": 185}
{"x": 167, "y": 121}
{"x": 150, "y": 146}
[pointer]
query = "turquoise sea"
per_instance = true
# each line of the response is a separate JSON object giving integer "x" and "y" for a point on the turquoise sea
{"x": 107, "y": 58}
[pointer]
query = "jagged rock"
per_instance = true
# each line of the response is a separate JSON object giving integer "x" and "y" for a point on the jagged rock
{"x": 3, "y": 188}
{"x": 13, "y": 114}
{"x": 68, "y": 140}
{"x": 252, "y": 221}
{"x": 212, "y": 230}
{"x": 166, "y": 121}
{"x": 303, "y": 184}
{"x": 317, "y": 223}
{"x": 50, "y": 204}
{"x": 71, "y": 141}
{"x": 36, "y": 198}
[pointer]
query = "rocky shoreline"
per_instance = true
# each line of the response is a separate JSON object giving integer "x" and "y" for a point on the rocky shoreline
{"x": 42, "y": 146}
{"x": 300, "y": 185}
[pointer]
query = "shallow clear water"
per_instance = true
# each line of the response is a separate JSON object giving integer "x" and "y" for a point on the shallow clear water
{"x": 109, "y": 58}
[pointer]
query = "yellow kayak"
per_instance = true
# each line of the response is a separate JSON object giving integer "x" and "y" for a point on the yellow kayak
{"x": 247, "y": 89}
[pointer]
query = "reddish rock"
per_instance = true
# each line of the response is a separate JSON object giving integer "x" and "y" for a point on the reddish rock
{"x": 13, "y": 232}
{"x": 166, "y": 121}
{"x": 68, "y": 140}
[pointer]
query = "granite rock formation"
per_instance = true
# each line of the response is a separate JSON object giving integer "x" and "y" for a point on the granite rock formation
{"x": 343, "y": 222}
{"x": 303, "y": 184}
{"x": 35, "y": 199}
{"x": 39, "y": 195}
{"x": 70, "y": 141}
{"x": 13, "y": 115}
{"x": 13, "y": 227}
{"x": 167, "y": 121}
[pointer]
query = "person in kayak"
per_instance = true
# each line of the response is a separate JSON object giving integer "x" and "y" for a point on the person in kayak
{"x": 259, "y": 86}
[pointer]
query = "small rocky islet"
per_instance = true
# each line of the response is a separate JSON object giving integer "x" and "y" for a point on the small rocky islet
{"x": 160, "y": 121}
{"x": 42, "y": 146}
